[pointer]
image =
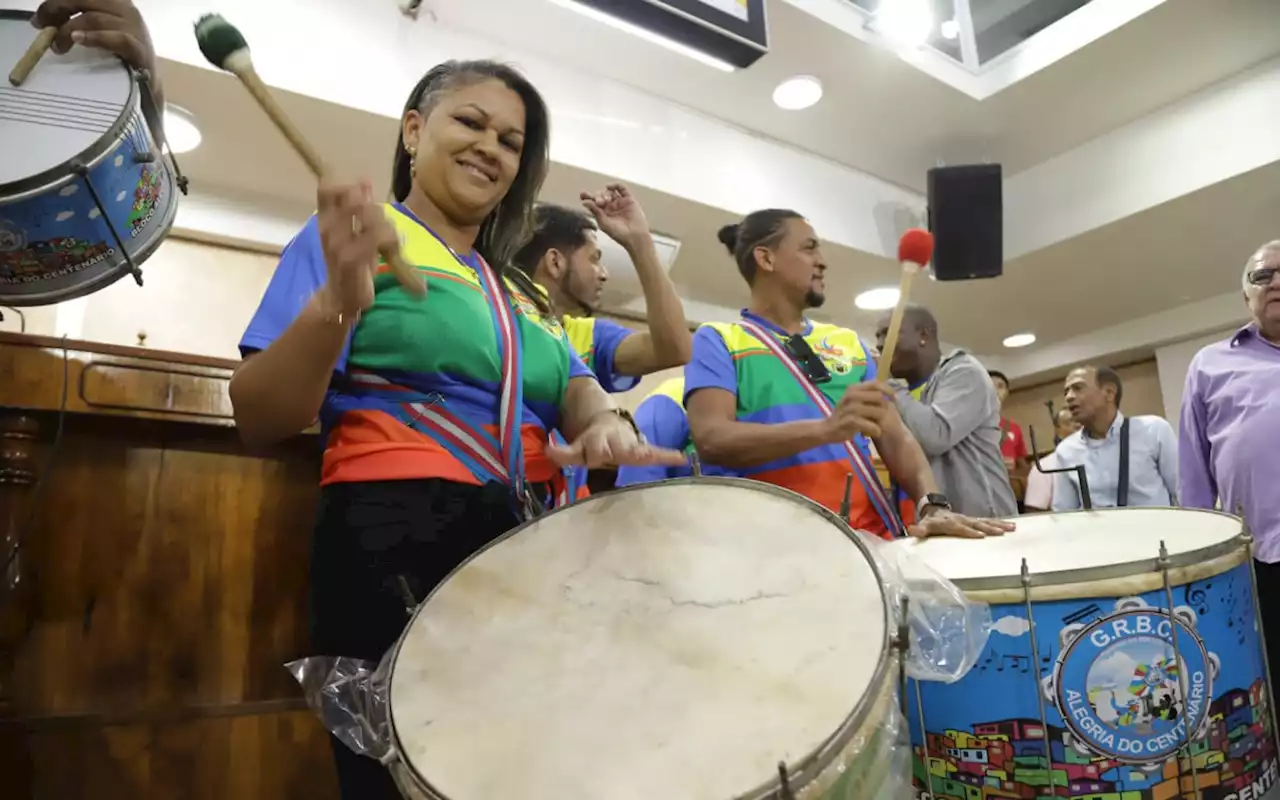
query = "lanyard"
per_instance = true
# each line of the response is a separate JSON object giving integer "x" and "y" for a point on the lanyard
{"x": 511, "y": 402}
{"x": 862, "y": 468}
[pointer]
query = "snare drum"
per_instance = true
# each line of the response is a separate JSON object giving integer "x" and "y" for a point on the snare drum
{"x": 675, "y": 640}
{"x": 1089, "y": 686}
{"x": 85, "y": 193}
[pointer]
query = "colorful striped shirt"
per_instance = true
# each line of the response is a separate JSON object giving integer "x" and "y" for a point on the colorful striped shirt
{"x": 439, "y": 353}
{"x": 661, "y": 418}
{"x": 596, "y": 343}
{"x": 727, "y": 356}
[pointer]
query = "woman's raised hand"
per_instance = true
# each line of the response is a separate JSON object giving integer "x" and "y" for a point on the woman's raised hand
{"x": 354, "y": 230}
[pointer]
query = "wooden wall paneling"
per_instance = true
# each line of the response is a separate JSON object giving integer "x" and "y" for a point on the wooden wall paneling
{"x": 167, "y": 574}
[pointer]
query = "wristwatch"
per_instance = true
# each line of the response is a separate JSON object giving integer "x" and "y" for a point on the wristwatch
{"x": 625, "y": 416}
{"x": 930, "y": 503}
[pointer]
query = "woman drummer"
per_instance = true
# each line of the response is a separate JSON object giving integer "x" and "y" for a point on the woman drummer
{"x": 407, "y": 387}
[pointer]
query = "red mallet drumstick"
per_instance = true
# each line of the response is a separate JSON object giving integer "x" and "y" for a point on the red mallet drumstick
{"x": 915, "y": 248}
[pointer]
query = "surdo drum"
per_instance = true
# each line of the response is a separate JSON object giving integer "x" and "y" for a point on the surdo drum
{"x": 86, "y": 194}
{"x": 675, "y": 640}
{"x": 1089, "y": 685}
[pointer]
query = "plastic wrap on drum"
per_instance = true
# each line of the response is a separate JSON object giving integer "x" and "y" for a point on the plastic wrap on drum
{"x": 352, "y": 699}
{"x": 875, "y": 765}
{"x": 948, "y": 631}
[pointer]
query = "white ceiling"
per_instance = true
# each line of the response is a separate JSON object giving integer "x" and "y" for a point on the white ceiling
{"x": 882, "y": 115}
{"x": 886, "y": 118}
{"x": 1178, "y": 252}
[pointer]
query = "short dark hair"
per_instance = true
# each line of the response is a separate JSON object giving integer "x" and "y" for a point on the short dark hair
{"x": 554, "y": 228}
{"x": 763, "y": 228}
{"x": 1106, "y": 376}
{"x": 920, "y": 317}
{"x": 995, "y": 373}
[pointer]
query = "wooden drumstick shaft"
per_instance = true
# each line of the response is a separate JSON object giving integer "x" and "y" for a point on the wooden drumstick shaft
{"x": 267, "y": 102}
{"x": 241, "y": 66}
{"x": 909, "y": 271}
{"x": 22, "y": 70}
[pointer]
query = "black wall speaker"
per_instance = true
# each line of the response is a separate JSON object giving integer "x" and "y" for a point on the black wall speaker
{"x": 966, "y": 217}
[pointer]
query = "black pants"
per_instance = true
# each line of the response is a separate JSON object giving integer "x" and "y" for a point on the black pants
{"x": 369, "y": 536}
{"x": 1269, "y": 605}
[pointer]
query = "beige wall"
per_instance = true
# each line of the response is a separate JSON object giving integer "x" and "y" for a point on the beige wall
{"x": 196, "y": 298}
{"x": 1142, "y": 395}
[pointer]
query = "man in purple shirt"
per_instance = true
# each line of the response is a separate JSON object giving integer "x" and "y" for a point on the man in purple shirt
{"x": 1230, "y": 430}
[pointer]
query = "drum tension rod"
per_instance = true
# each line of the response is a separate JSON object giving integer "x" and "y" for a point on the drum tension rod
{"x": 81, "y": 170}
{"x": 784, "y": 780}
{"x": 155, "y": 120}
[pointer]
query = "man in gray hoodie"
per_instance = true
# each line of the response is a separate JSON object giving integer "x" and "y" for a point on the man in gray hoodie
{"x": 950, "y": 406}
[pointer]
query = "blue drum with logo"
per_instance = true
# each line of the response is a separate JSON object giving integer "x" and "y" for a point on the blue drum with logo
{"x": 1126, "y": 662}
{"x": 87, "y": 192}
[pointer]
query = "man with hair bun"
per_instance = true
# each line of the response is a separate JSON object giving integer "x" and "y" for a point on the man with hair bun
{"x": 779, "y": 398}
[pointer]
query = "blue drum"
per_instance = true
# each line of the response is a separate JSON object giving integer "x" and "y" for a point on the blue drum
{"x": 1126, "y": 662}
{"x": 86, "y": 191}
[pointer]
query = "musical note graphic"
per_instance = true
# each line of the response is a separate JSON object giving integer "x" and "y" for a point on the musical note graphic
{"x": 1021, "y": 664}
{"x": 1088, "y": 613}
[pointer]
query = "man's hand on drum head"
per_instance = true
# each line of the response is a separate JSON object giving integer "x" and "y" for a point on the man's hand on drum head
{"x": 860, "y": 410}
{"x": 112, "y": 25}
{"x": 948, "y": 523}
{"x": 610, "y": 441}
{"x": 353, "y": 229}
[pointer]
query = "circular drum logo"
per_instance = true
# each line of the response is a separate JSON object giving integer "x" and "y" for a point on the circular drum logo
{"x": 1124, "y": 692}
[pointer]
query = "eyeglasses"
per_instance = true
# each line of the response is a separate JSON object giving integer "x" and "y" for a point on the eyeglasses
{"x": 808, "y": 360}
{"x": 1262, "y": 276}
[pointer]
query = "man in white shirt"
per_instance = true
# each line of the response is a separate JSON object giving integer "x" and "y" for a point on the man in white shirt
{"x": 1128, "y": 461}
{"x": 1039, "y": 496}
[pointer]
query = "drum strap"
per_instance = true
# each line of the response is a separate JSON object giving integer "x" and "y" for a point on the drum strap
{"x": 862, "y": 467}
{"x": 486, "y": 457}
{"x": 1122, "y": 486}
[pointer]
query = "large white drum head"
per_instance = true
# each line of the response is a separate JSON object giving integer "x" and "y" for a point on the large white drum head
{"x": 673, "y": 641}
{"x": 1078, "y": 540}
{"x": 66, "y": 106}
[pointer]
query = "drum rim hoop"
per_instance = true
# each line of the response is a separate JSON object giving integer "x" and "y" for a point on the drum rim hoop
{"x": 806, "y": 768}
{"x": 91, "y": 155}
{"x": 1125, "y": 569}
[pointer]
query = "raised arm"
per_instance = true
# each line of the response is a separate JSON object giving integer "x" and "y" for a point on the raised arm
{"x": 667, "y": 341}
{"x": 297, "y": 338}
{"x": 1197, "y": 487}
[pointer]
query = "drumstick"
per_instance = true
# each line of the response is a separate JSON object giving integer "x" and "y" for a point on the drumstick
{"x": 915, "y": 248}
{"x": 225, "y": 47}
{"x": 21, "y": 70}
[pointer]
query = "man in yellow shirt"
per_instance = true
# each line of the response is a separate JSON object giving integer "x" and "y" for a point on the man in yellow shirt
{"x": 563, "y": 257}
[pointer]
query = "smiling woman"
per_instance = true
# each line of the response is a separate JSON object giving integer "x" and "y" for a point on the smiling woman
{"x": 420, "y": 468}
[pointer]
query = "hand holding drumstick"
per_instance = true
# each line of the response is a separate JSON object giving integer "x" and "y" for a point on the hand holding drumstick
{"x": 350, "y": 222}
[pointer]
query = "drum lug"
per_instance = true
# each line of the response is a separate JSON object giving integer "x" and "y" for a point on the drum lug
{"x": 784, "y": 783}
{"x": 154, "y": 117}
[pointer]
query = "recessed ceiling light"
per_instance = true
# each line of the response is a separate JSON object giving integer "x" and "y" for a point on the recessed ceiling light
{"x": 950, "y": 29}
{"x": 877, "y": 299}
{"x": 1020, "y": 340}
{"x": 180, "y": 131}
{"x": 799, "y": 92}
{"x": 905, "y": 22}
